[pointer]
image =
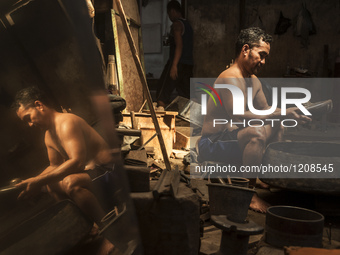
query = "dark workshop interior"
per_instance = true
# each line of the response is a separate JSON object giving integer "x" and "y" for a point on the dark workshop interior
{"x": 101, "y": 156}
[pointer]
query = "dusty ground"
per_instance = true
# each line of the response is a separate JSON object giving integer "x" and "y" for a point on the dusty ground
{"x": 328, "y": 205}
{"x": 212, "y": 236}
{"x": 210, "y": 241}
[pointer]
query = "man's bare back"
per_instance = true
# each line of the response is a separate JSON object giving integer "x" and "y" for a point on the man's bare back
{"x": 84, "y": 138}
{"x": 233, "y": 76}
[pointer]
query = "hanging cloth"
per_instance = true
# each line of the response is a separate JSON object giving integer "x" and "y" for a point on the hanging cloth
{"x": 304, "y": 26}
{"x": 282, "y": 25}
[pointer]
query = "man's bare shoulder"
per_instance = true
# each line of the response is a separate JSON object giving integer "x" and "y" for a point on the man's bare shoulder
{"x": 64, "y": 121}
{"x": 256, "y": 82}
{"x": 230, "y": 73}
{"x": 177, "y": 26}
{"x": 230, "y": 76}
{"x": 61, "y": 117}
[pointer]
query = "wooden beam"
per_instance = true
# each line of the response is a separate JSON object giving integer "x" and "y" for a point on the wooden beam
{"x": 144, "y": 83}
{"x": 242, "y": 12}
{"x": 118, "y": 57}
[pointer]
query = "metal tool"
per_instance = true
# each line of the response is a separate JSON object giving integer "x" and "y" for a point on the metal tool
{"x": 319, "y": 108}
{"x": 11, "y": 186}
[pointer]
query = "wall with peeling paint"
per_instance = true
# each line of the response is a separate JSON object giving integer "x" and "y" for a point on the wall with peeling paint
{"x": 216, "y": 25}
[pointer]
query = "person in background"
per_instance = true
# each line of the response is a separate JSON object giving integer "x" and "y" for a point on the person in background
{"x": 179, "y": 68}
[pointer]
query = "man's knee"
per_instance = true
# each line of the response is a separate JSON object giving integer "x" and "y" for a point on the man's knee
{"x": 280, "y": 129}
{"x": 253, "y": 136}
{"x": 55, "y": 190}
{"x": 274, "y": 133}
{"x": 258, "y": 136}
{"x": 53, "y": 187}
{"x": 73, "y": 183}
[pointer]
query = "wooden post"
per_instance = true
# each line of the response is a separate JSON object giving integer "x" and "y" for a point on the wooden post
{"x": 242, "y": 13}
{"x": 144, "y": 83}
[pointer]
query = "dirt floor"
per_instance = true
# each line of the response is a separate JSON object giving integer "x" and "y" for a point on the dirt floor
{"x": 326, "y": 204}
{"x": 210, "y": 242}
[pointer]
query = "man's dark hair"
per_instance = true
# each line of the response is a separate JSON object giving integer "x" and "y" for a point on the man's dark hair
{"x": 28, "y": 96}
{"x": 174, "y": 5}
{"x": 251, "y": 36}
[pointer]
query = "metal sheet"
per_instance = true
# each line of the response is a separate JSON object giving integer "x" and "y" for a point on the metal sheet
{"x": 58, "y": 50}
{"x": 304, "y": 152}
{"x": 187, "y": 110}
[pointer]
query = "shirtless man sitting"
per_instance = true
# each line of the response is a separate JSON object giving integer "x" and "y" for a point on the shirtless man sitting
{"x": 72, "y": 145}
{"x": 252, "y": 48}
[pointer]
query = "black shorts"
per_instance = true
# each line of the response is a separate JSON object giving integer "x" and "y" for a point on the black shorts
{"x": 221, "y": 147}
{"x": 99, "y": 170}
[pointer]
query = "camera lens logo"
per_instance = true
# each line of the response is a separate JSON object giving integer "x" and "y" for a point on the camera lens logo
{"x": 204, "y": 96}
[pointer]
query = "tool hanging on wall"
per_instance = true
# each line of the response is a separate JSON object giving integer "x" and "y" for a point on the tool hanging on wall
{"x": 304, "y": 26}
{"x": 282, "y": 25}
{"x": 144, "y": 83}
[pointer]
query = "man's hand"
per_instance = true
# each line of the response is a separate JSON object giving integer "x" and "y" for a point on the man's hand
{"x": 293, "y": 114}
{"x": 173, "y": 72}
{"x": 31, "y": 187}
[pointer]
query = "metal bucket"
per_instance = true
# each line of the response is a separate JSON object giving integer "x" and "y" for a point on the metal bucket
{"x": 240, "y": 181}
{"x": 230, "y": 200}
{"x": 293, "y": 226}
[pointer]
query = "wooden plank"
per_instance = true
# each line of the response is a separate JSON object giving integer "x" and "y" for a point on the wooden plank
{"x": 118, "y": 55}
{"x": 309, "y": 251}
{"x": 174, "y": 182}
{"x": 134, "y": 124}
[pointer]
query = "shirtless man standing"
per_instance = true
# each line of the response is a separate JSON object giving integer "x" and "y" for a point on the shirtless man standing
{"x": 252, "y": 48}
{"x": 72, "y": 146}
